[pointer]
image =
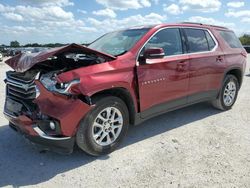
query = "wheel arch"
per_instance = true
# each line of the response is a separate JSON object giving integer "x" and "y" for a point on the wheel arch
{"x": 237, "y": 72}
{"x": 121, "y": 93}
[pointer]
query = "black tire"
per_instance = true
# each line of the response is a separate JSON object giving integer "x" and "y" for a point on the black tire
{"x": 84, "y": 136}
{"x": 219, "y": 102}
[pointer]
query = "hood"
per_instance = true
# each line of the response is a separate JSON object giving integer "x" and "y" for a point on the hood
{"x": 23, "y": 62}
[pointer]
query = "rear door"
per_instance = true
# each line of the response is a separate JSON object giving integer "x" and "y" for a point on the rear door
{"x": 163, "y": 83}
{"x": 207, "y": 64}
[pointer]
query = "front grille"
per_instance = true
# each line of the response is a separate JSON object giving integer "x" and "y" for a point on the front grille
{"x": 20, "y": 88}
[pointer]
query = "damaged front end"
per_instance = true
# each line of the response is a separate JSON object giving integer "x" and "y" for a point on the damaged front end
{"x": 41, "y": 107}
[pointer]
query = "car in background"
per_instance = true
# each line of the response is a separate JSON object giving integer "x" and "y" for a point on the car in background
{"x": 247, "y": 48}
{"x": 1, "y": 57}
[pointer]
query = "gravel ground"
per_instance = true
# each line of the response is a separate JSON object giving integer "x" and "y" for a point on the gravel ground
{"x": 197, "y": 146}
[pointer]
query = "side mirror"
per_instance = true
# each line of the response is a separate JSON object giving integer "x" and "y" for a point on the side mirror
{"x": 154, "y": 53}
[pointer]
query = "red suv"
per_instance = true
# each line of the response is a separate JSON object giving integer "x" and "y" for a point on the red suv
{"x": 90, "y": 95}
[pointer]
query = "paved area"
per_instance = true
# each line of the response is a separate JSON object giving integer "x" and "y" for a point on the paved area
{"x": 197, "y": 146}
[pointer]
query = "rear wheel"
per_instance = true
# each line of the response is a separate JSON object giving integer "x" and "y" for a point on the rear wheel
{"x": 101, "y": 131}
{"x": 228, "y": 93}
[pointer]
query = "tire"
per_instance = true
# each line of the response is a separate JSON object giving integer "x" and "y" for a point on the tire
{"x": 221, "y": 103}
{"x": 90, "y": 126}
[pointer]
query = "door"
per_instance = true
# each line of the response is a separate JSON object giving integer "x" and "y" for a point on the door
{"x": 206, "y": 64}
{"x": 163, "y": 82}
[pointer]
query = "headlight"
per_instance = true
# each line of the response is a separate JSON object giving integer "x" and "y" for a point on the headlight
{"x": 48, "y": 81}
{"x": 65, "y": 87}
{"x": 51, "y": 84}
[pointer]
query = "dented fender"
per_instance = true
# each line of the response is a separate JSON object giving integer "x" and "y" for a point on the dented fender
{"x": 67, "y": 111}
{"x": 101, "y": 77}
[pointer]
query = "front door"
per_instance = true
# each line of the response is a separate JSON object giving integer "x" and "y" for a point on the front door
{"x": 163, "y": 82}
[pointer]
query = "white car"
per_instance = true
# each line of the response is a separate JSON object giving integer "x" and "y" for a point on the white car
{"x": 1, "y": 57}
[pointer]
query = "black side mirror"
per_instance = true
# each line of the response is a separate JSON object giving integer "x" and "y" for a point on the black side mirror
{"x": 154, "y": 53}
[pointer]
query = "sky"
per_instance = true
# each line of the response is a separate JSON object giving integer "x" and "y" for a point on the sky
{"x": 82, "y": 21}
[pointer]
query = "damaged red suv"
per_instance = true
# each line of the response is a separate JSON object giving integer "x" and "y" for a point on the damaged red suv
{"x": 90, "y": 95}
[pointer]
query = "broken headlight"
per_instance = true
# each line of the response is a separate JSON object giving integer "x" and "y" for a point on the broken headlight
{"x": 49, "y": 81}
{"x": 65, "y": 87}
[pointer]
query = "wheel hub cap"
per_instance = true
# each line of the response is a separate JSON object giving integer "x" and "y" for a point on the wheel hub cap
{"x": 107, "y": 126}
{"x": 229, "y": 93}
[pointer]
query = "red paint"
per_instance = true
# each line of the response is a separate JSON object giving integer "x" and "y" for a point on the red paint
{"x": 24, "y": 123}
{"x": 170, "y": 78}
{"x": 68, "y": 111}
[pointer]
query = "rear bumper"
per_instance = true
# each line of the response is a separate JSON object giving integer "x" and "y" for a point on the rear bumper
{"x": 36, "y": 136}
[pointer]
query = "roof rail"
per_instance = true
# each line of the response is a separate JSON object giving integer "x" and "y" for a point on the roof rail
{"x": 192, "y": 23}
{"x": 222, "y": 27}
{"x": 196, "y": 23}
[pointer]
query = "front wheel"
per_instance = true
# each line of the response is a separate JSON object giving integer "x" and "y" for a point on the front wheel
{"x": 228, "y": 93}
{"x": 101, "y": 131}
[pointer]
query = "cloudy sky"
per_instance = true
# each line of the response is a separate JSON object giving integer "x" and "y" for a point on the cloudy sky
{"x": 79, "y": 21}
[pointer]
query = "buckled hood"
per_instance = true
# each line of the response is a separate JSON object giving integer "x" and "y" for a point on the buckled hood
{"x": 23, "y": 62}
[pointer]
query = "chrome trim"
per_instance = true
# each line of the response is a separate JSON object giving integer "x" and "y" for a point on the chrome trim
{"x": 38, "y": 130}
{"x": 18, "y": 84}
{"x": 16, "y": 90}
{"x": 9, "y": 115}
{"x": 43, "y": 135}
{"x": 37, "y": 76}
{"x": 14, "y": 78}
{"x": 70, "y": 84}
{"x": 179, "y": 55}
{"x": 18, "y": 96}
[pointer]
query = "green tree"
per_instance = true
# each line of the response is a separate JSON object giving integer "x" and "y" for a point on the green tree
{"x": 14, "y": 44}
{"x": 245, "y": 39}
{"x": 32, "y": 45}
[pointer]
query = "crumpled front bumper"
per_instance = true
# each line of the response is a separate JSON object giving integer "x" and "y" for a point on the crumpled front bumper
{"x": 39, "y": 138}
{"x": 66, "y": 111}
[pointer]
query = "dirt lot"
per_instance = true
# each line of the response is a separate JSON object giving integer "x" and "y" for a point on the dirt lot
{"x": 193, "y": 147}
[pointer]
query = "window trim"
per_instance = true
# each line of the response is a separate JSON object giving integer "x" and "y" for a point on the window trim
{"x": 181, "y": 33}
{"x": 208, "y": 40}
{"x": 181, "y": 42}
{"x": 204, "y": 32}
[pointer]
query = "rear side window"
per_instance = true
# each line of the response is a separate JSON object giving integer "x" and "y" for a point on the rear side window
{"x": 168, "y": 39}
{"x": 231, "y": 39}
{"x": 210, "y": 40}
{"x": 197, "y": 40}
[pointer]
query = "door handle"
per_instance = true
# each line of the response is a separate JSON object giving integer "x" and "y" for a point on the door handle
{"x": 181, "y": 65}
{"x": 219, "y": 59}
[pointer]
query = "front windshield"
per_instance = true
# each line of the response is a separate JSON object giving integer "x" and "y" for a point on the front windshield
{"x": 118, "y": 42}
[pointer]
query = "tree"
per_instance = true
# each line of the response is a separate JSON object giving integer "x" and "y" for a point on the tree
{"x": 32, "y": 45}
{"x": 14, "y": 44}
{"x": 245, "y": 39}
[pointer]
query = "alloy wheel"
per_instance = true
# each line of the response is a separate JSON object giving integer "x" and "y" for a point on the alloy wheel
{"x": 107, "y": 126}
{"x": 229, "y": 93}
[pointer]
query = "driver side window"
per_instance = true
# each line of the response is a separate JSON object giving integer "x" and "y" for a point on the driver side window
{"x": 167, "y": 39}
